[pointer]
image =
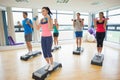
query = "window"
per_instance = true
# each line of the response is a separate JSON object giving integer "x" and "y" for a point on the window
{"x": 21, "y": 9}
{"x": 114, "y": 19}
{"x": 65, "y": 12}
{"x": 64, "y": 19}
{"x": 83, "y": 13}
{"x": 53, "y": 11}
{"x": 96, "y": 15}
{"x": 85, "y": 19}
{"x": 18, "y": 16}
{"x": 113, "y": 36}
{"x": 67, "y": 27}
{"x": 113, "y": 12}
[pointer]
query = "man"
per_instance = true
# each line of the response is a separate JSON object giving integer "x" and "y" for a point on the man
{"x": 78, "y": 26}
{"x": 28, "y": 25}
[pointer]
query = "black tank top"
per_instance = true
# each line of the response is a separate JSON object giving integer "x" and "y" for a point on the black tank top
{"x": 100, "y": 22}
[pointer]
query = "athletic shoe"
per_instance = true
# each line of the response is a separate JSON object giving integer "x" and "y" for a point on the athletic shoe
{"x": 55, "y": 47}
{"x": 28, "y": 54}
{"x": 79, "y": 48}
{"x": 47, "y": 67}
{"x": 99, "y": 57}
{"x": 50, "y": 68}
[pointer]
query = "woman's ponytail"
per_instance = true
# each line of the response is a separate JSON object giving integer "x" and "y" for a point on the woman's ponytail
{"x": 49, "y": 12}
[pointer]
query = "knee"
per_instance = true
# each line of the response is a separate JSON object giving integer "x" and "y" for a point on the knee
{"x": 45, "y": 55}
{"x": 102, "y": 45}
{"x": 77, "y": 39}
{"x": 50, "y": 55}
{"x": 97, "y": 45}
{"x": 29, "y": 44}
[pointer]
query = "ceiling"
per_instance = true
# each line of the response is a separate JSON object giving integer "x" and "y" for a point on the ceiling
{"x": 72, "y": 5}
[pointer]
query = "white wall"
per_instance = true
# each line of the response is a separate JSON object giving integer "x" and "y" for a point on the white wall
{"x": 11, "y": 31}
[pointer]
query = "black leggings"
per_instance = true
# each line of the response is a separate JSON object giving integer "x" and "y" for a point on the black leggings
{"x": 100, "y": 37}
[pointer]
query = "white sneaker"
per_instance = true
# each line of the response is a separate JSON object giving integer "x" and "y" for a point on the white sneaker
{"x": 30, "y": 53}
{"x": 47, "y": 66}
{"x": 55, "y": 47}
{"x": 50, "y": 68}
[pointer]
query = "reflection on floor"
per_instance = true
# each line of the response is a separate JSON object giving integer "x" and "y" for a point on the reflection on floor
{"x": 75, "y": 67}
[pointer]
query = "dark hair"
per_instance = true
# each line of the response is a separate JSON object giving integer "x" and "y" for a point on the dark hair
{"x": 48, "y": 9}
{"x": 102, "y": 14}
{"x": 25, "y": 13}
{"x": 78, "y": 13}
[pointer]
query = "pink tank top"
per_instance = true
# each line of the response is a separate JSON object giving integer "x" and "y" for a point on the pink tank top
{"x": 45, "y": 30}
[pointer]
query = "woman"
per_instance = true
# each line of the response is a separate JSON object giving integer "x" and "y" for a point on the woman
{"x": 78, "y": 26}
{"x": 46, "y": 24}
{"x": 55, "y": 32}
{"x": 100, "y": 26}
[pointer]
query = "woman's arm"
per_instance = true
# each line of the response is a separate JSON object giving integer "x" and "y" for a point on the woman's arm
{"x": 105, "y": 24}
{"x": 57, "y": 26}
{"x": 37, "y": 25}
{"x": 95, "y": 24}
{"x": 50, "y": 22}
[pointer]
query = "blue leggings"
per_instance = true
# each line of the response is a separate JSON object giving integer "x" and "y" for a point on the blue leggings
{"x": 46, "y": 43}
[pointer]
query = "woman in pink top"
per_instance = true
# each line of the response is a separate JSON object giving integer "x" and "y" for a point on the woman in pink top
{"x": 100, "y": 26}
{"x": 46, "y": 24}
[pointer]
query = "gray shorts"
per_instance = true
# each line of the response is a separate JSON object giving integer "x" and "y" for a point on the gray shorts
{"x": 28, "y": 37}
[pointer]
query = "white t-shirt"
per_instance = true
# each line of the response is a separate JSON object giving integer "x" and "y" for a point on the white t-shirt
{"x": 78, "y": 25}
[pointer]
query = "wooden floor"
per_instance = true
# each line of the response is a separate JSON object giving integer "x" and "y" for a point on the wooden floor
{"x": 75, "y": 67}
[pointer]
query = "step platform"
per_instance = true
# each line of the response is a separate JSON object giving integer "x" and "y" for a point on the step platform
{"x": 78, "y": 52}
{"x": 41, "y": 74}
{"x": 56, "y": 48}
{"x": 97, "y": 60}
{"x": 26, "y": 57}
